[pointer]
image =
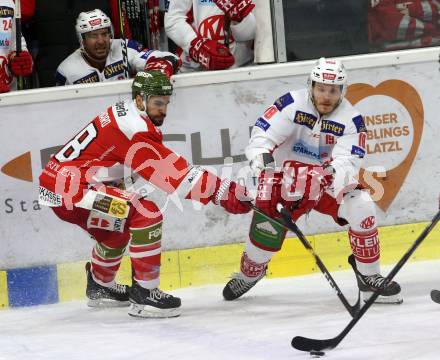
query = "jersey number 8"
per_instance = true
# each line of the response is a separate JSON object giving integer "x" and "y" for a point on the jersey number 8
{"x": 74, "y": 147}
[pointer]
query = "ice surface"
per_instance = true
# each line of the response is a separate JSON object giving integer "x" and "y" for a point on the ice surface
{"x": 258, "y": 326}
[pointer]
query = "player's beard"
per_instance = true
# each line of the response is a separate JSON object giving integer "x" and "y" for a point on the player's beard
{"x": 158, "y": 120}
{"x": 99, "y": 53}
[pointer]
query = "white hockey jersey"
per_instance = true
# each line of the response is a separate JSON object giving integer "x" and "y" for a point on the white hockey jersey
{"x": 293, "y": 130}
{"x": 76, "y": 70}
{"x": 209, "y": 22}
{"x": 7, "y": 38}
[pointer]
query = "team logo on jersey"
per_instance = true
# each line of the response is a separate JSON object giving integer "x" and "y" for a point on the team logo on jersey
{"x": 270, "y": 112}
{"x": 262, "y": 124}
{"x": 114, "y": 69}
{"x": 330, "y": 140}
{"x": 120, "y": 108}
{"x": 213, "y": 27}
{"x": 49, "y": 198}
{"x": 303, "y": 118}
{"x": 98, "y": 220}
{"x": 356, "y": 150}
{"x": 360, "y": 124}
{"x": 117, "y": 208}
{"x": 332, "y": 127}
{"x": 104, "y": 119}
{"x": 6, "y": 11}
{"x": 284, "y": 101}
{"x": 146, "y": 54}
{"x": 368, "y": 222}
{"x": 5, "y": 41}
{"x": 206, "y": 2}
{"x": 88, "y": 79}
{"x": 306, "y": 151}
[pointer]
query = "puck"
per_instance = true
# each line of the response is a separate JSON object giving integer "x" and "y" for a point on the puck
{"x": 317, "y": 354}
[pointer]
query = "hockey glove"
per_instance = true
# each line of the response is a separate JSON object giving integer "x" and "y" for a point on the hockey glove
{"x": 236, "y": 10}
{"x": 269, "y": 192}
{"x": 261, "y": 162}
{"x": 21, "y": 64}
{"x": 232, "y": 197}
{"x": 309, "y": 182}
{"x": 168, "y": 65}
{"x": 4, "y": 79}
{"x": 210, "y": 54}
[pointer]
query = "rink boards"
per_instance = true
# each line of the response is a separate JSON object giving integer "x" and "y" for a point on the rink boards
{"x": 210, "y": 265}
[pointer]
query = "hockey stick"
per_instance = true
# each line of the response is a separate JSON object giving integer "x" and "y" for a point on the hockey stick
{"x": 20, "y": 80}
{"x": 290, "y": 225}
{"x": 307, "y": 344}
{"x": 123, "y": 39}
{"x": 227, "y": 31}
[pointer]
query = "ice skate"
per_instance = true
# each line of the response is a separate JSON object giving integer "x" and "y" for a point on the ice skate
{"x": 115, "y": 295}
{"x": 239, "y": 285}
{"x": 152, "y": 303}
{"x": 368, "y": 284}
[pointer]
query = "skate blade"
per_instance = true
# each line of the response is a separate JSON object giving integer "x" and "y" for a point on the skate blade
{"x": 147, "y": 311}
{"x": 107, "y": 303}
{"x": 392, "y": 300}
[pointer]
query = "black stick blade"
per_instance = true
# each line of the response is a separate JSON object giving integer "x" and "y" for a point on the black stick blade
{"x": 435, "y": 296}
{"x": 305, "y": 344}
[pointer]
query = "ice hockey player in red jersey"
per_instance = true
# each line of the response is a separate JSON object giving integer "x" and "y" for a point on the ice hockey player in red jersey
{"x": 75, "y": 184}
{"x": 318, "y": 139}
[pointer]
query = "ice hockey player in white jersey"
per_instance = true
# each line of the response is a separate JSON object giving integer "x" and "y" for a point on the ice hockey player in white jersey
{"x": 212, "y": 34}
{"x": 317, "y": 138}
{"x": 101, "y": 58}
{"x": 11, "y": 64}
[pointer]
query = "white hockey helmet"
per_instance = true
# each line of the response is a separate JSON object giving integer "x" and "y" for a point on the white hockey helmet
{"x": 92, "y": 20}
{"x": 328, "y": 71}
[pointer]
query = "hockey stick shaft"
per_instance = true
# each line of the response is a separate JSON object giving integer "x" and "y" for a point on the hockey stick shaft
{"x": 17, "y": 14}
{"x": 123, "y": 39}
{"x": 290, "y": 225}
{"x": 227, "y": 31}
{"x": 307, "y": 344}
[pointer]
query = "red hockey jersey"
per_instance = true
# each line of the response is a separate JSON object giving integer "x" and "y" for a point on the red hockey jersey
{"x": 117, "y": 141}
{"x": 402, "y": 24}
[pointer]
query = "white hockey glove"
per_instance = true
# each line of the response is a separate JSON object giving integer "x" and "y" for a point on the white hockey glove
{"x": 259, "y": 163}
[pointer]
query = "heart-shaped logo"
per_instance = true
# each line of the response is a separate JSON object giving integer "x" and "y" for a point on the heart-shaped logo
{"x": 393, "y": 114}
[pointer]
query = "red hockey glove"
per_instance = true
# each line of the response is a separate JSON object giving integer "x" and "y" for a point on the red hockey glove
{"x": 308, "y": 184}
{"x": 232, "y": 197}
{"x": 210, "y": 54}
{"x": 168, "y": 65}
{"x": 269, "y": 192}
{"x": 236, "y": 10}
{"x": 4, "y": 79}
{"x": 21, "y": 64}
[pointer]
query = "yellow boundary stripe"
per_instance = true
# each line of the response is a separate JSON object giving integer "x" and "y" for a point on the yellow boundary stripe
{"x": 4, "y": 303}
{"x": 211, "y": 265}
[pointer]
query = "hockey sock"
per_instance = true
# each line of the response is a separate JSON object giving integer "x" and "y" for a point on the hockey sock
{"x": 105, "y": 262}
{"x": 251, "y": 269}
{"x": 145, "y": 251}
{"x": 366, "y": 249}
